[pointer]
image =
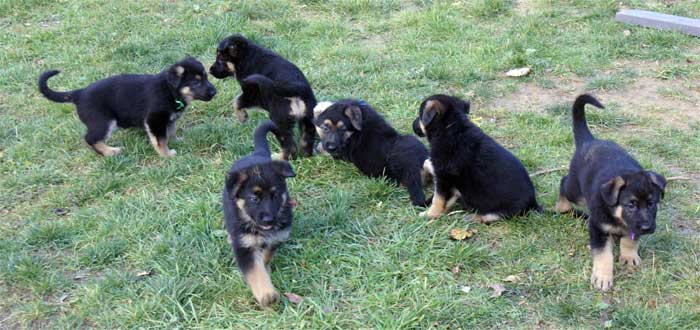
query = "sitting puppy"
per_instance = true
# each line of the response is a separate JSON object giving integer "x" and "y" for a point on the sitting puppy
{"x": 270, "y": 82}
{"x": 620, "y": 195}
{"x": 469, "y": 166}
{"x": 258, "y": 213}
{"x": 352, "y": 131}
{"x": 153, "y": 102}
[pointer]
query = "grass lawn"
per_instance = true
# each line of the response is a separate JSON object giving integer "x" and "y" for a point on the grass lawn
{"x": 135, "y": 241}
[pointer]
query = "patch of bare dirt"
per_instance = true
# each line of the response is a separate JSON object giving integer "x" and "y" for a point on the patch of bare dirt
{"x": 670, "y": 102}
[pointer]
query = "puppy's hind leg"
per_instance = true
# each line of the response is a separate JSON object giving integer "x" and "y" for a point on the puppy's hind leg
{"x": 289, "y": 146}
{"x": 308, "y": 136}
{"x": 97, "y": 133}
{"x": 564, "y": 205}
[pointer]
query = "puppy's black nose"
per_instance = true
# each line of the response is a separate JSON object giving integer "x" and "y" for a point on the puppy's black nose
{"x": 645, "y": 227}
{"x": 331, "y": 147}
{"x": 267, "y": 218}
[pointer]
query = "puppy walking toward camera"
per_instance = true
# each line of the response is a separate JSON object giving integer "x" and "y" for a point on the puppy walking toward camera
{"x": 258, "y": 213}
{"x": 352, "y": 131}
{"x": 469, "y": 166}
{"x": 272, "y": 83}
{"x": 153, "y": 102}
{"x": 620, "y": 195}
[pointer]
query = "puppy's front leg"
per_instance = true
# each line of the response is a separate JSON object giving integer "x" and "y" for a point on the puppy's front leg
{"x": 602, "y": 252}
{"x": 628, "y": 252}
{"x": 258, "y": 279}
{"x": 289, "y": 146}
{"x": 443, "y": 193}
{"x": 157, "y": 129}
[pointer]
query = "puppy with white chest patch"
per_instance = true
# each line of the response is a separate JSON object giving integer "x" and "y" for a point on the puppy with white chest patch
{"x": 270, "y": 82}
{"x": 621, "y": 196}
{"x": 258, "y": 213}
{"x": 469, "y": 166}
{"x": 352, "y": 131}
{"x": 153, "y": 102}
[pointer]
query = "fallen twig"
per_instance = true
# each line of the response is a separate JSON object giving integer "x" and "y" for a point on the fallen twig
{"x": 560, "y": 168}
{"x": 679, "y": 178}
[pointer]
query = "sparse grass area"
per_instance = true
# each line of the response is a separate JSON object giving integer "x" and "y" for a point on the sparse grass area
{"x": 78, "y": 229}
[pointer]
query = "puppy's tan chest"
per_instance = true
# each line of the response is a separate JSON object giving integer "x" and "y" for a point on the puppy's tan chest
{"x": 255, "y": 241}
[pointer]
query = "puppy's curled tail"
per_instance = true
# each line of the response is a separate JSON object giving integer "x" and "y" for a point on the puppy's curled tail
{"x": 55, "y": 96}
{"x": 260, "y": 138}
{"x": 581, "y": 132}
{"x": 267, "y": 86}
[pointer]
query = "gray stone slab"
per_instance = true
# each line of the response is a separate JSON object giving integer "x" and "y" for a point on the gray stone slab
{"x": 660, "y": 21}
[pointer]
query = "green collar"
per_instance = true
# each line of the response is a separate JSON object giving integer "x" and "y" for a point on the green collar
{"x": 179, "y": 105}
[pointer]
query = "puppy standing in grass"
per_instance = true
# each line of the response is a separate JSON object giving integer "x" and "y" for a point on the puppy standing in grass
{"x": 258, "y": 213}
{"x": 469, "y": 166}
{"x": 153, "y": 102}
{"x": 352, "y": 131}
{"x": 620, "y": 195}
{"x": 270, "y": 82}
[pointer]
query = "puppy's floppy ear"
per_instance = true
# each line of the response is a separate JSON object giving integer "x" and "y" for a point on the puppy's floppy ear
{"x": 283, "y": 168}
{"x": 416, "y": 128}
{"x": 321, "y": 107}
{"x": 464, "y": 106}
{"x": 175, "y": 74}
{"x": 432, "y": 109}
{"x": 610, "y": 191}
{"x": 234, "y": 182}
{"x": 236, "y": 47}
{"x": 354, "y": 113}
{"x": 658, "y": 180}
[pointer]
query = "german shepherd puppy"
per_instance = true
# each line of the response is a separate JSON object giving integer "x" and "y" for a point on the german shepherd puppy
{"x": 270, "y": 82}
{"x": 352, "y": 131}
{"x": 258, "y": 213}
{"x": 153, "y": 102}
{"x": 470, "y": 167}
{"x": 620, "y": 195}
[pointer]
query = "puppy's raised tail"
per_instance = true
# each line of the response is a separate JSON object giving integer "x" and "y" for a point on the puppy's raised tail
{"x": 581, "y": 132}
{"x": 267, "y": 86}
{"x": 260, "y": 138}
{"x": 55, "y": 96}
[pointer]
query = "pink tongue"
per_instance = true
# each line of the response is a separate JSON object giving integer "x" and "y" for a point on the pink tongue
{"x": 266, "y": 227}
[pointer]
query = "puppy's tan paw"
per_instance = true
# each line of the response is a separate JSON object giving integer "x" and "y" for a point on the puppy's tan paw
{"x": 602, "y": 280}
{"x": 630, "y": 259}
{"x": 171, "y": 153}
{"x": 268, "y": 299}
{"x": 112, "y": 152}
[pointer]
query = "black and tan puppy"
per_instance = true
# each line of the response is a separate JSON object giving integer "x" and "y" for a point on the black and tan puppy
{"x": 258, "y": 213}
{"x": 153, "y": 102}
{"x": 272, "y": 83}
{"x": 469, "y": 166}
{"x": 352, "y": 131}
{"x": 620, "y": 195}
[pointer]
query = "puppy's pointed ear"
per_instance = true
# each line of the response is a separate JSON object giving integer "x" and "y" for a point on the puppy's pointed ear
{"x": 234, "y": 182}
{"x": 355, "y": 114}
{"x": 610, "y": 191}
{"x": 431, "y": 110}
{"x": 283, "y": 168}
{"x": 174, "y": 76}
{"x": 658, "y": 180}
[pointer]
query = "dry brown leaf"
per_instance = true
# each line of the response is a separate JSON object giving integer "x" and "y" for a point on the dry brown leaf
{"x": 293, "y": 298}
{"x": 511, "y": 278}
{"x": 498, "y": 290}
{"x": 519, "y": 72}
{"x": 461, "y": 234}
{"x": 651, "y": 304}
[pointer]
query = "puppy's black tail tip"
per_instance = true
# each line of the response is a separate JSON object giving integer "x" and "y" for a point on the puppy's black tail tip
{"x": 52, "y": 95}
{"x": 260, "y": 138}
{"x": 581, "y": 132}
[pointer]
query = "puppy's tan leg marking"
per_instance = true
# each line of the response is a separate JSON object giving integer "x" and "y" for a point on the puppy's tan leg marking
{"x": 259, "y": 281}
{"x": 106, "y": 150}
{"x": 602, "y": 277}
{"x": 241, "y": 114}
{"x": 628, "y": 252}
{"x": 487, "y": 218}
{"x": 455, "y": 195}
{"x": 563, "y": 205}
{"x": 161, "y": 145}
{"x": 437, "y": 208}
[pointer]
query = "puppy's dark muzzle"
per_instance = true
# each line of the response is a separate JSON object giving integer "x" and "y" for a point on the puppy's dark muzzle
{"x": 646, "y": 229}
{"x": 416, "y": 128}
{"x": 219, "y": 70}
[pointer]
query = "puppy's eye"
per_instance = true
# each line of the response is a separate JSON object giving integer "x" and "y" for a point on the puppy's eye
{"x": 326, "y": 129}
{"x": 651, "y": 203}
{"x": 631, "y": 205}
{"x": 254, "y": 199}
